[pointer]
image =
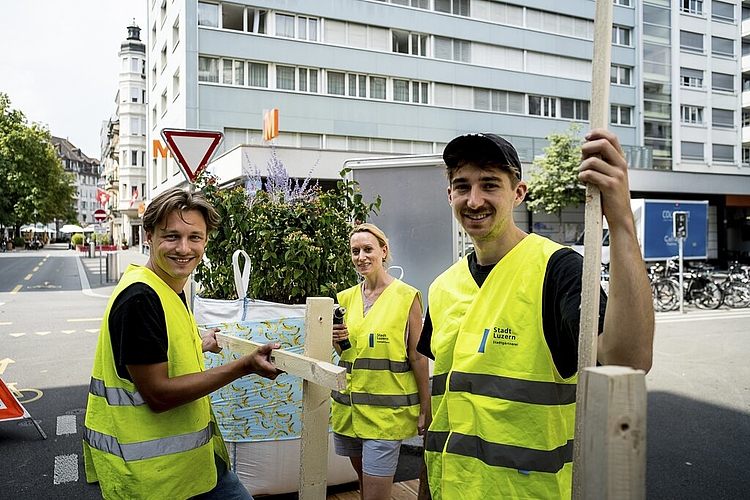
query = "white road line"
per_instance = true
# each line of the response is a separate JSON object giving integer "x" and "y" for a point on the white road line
{"x": 676, "y": 317}
{"x": 66, "y": 469}
{"x": 66, "y": 424}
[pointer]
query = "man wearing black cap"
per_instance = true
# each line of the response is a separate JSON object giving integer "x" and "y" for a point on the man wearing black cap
{"x": 502, "y": 326}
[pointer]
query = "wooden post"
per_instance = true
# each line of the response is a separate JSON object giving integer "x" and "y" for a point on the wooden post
{"x": 592, "y": 255}
{"x": 614, "y": 454}
{"x": 319, "y": 377}
{"x": 316, "y": 403}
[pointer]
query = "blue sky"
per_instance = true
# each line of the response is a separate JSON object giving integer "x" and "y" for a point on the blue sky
{"x": 59, "y": 63}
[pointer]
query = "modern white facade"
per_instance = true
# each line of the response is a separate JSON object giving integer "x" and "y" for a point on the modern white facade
{"x": 363, "y": 78}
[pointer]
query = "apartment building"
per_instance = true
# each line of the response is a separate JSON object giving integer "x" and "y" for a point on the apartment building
{"x": 124, "y": 157}
{"x": 85, "y": 173}
{"x": 370, "y": 78}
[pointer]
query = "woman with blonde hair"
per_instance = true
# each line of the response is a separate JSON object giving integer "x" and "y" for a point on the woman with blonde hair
{"x": 387, "y": 396}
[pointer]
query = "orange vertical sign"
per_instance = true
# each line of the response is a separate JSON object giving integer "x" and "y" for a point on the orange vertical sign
{"x": 270, "y": 124}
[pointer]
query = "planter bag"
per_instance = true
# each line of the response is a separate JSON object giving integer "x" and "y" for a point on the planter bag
{"x": 253, "y": 408}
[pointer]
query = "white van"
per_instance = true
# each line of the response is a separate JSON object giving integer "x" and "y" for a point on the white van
{"x": 578, "y": 245}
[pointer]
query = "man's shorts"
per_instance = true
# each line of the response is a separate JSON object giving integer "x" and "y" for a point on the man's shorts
{"x": 379, "y": 456}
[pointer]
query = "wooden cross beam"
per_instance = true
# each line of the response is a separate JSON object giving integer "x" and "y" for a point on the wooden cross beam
{"x": 319, "y": 377}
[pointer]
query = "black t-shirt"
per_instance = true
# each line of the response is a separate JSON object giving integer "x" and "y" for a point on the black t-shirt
{"x": 138, "y": 328}
{"x": 561, "y": 304}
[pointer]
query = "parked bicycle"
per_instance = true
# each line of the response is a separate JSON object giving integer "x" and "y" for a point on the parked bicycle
{"x": 697, "y": 286}
{"x": 735, "y": 285}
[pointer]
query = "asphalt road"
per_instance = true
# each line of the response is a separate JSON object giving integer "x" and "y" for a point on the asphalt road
{"x": 698, "y": 429}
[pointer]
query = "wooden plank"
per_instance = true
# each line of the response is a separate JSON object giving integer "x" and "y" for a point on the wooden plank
{"x": 316, "y": 402}
{"x": 592, "y": 240}
{"x": 614, "y": 409}
{"x": 320, "y": 372}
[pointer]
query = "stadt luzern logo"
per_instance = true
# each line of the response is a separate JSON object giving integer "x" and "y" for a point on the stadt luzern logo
{"x": 500, "y": 336}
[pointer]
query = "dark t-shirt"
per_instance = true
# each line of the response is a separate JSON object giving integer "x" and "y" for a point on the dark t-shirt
{"x": 561, "y": 301}
{"x": 138, "y": 328}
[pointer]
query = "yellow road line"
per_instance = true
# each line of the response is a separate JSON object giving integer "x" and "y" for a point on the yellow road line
{"x": 28, "y": 277}
{"x": 16, "y": 289}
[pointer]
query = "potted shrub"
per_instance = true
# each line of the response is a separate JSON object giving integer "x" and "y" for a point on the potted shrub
{"x": 297, "y": 236}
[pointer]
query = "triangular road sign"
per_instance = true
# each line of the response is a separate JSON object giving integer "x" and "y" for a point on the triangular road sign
{"x": 191, "y": 148}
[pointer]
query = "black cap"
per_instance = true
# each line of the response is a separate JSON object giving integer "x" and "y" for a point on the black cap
{"x": 482, "y": 147}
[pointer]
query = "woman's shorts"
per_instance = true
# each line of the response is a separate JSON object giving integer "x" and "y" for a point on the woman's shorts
{"x": 379, "y": 456}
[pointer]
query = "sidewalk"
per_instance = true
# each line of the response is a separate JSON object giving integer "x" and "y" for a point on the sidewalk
{"x": 93, "y": 270}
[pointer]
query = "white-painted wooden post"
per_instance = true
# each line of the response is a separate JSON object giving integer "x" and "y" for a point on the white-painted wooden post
{"x": 319, "y": 377}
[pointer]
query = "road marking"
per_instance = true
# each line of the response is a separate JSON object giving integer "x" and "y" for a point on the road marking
{"x": 676, "y": 317}
{"x": 35, "y": 269}
{"x": 16, "y": 289}
{"x": 80, "y": 320}
{"x": 68, "y": 332}
{"x": 4, "y": 364}
{"x": 66, "y": 469}
{"x": 28, "y": 277}
{"x": 19, "y": 334}
{"x": 42, "y": 333}
{"x": 92, "y": 330}
{"x": 5, "y": 323}
{"x": 66, "y": 424}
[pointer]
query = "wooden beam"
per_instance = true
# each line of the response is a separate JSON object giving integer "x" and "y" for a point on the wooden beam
{"x": 614, "y": 409}
{"x": 321, "y": 372}
{"x": 592, "y": 240}
{"x": 316, "y": 402}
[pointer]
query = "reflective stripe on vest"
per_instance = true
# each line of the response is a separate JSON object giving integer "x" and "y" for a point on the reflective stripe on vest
{"x": 114, "y": 395}
{"x": 499, "y": 455}
{"x": 359, "y": 398}
{"x": 513, "y": 389}
{"x": 148, "y": 449}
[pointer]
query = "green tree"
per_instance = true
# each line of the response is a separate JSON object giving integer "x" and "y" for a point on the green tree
{"x": 34, "y": 187}
{"x": 554, "y": 184}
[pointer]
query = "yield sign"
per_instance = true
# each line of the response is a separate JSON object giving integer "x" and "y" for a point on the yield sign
{"x": 191, "y": 148}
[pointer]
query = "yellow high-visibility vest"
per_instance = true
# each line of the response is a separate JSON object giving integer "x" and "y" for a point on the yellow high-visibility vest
{"x": 132, "y": 451}
{"x": 381, "y": 399}
{"x": 503, "y": 417}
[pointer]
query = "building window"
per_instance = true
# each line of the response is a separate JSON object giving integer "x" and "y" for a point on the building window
{"x": 408, "y": 91}
{"x": 624, "y": 3}
{"x": 692, "y": 114}
{"x": 722, "y": 46}
{"x": 691, "y": 78}
{"x": 307, "y": 27}
{"x": 746, "y": 156}
{"x": 134, "y": 158}
{"x": 256, "y": 20}
{"x": 258, "y": 75}
{"x": 574, "y": 109}
{"x": 620, "y": 75}
{"x": 208, "y": 69}
{"x": 499, "y": 101}
{"x": 405, "y": 42}
{"x": 542, "y": 106}
{"x": 336, "y": 83}
{"x": 692, "y": 6}
{"x": 690, "y": 41}
{"x": 692, "y": 151}
{"x": 176, "y": 84}
{"x": 208, "y": 14}
{"x": 307, "y": 79}
{"x": 285, "y": 77}
{"x": 233, "y": 72}
{"x": 722, "y": 11}
{"x": 232, "y": 17}
{"x": 377, "y": 87}
{"x": 457, "y": 7}
{"x": 452, "y": 50}
{"x": 621, "y": 115}
{"x": 722, "y": 82}
{"x": 621, "y": 35}
{"x": 134, "y": 94}
{"x": 723, "y": 153}
{"x": 723, "y": 118}
{"x": 745, "y": 118}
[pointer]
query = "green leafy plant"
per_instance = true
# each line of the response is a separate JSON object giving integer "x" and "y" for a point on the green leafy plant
{"x": 554, "y": 183}
{"x": 297, "y": 236}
